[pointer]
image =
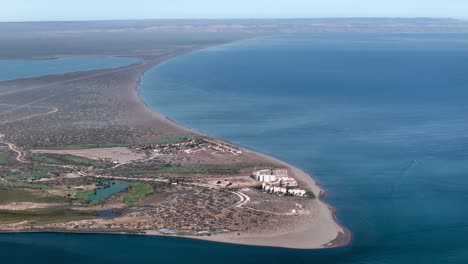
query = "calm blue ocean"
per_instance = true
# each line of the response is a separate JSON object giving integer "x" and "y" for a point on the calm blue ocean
{"x": 380, "y": 120}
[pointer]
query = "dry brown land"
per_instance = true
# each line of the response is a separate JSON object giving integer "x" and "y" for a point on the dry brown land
{"x": 67, "y": 133}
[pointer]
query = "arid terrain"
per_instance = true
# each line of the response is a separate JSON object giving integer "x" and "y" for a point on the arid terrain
{"x": 67, "y": 138}
{"x": 80, "y": 152}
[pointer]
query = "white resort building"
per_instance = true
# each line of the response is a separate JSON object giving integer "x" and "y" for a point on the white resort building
{"x": 277, "y": 181}
{"x": 270, "y": 175}
{"x": 269, "y": 188}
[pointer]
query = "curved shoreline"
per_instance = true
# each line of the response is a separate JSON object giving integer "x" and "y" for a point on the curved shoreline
{"x": 343, "y": 235}
{"x": 322, "y": 231}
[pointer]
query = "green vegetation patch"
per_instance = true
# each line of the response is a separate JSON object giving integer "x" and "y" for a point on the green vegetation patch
{"x": 43, "y": 168}
{"x": 5, "y": 156}
{"x": 138, "y": 191}
{"x": 45, "y": 159}
{"x": 84, "y": 195}
{"x": 66, "y": 159}
{"x": 43, "y": 216}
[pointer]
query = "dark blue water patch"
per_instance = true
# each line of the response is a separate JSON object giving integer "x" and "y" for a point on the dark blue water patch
{"x": 16, "y": 69}
{"x": 88, "y": 248}
{"x": 111, "y": 213}
{"x": 380, "y": 120}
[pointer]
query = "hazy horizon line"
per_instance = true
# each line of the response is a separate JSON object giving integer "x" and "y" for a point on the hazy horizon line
{"x": 226, "y": 19}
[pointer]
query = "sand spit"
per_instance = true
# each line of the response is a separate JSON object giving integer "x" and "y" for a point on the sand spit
{"x": 322, "y": 231}
{"x": 319, "y": 230}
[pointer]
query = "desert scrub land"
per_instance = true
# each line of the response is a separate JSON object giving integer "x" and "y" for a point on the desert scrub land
{"x": 27, "y": 175}
{"x": 231, "y": 170}
{"x": 162, "y": 140}
{"x": 11, "y": 184}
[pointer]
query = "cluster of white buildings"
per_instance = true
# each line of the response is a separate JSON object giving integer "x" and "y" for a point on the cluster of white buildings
{"x": 191, "y": 146}
{"x": 221, "y": 147}
{"x": 269, "y": 188}
{"x": 277, "y": 181}
{"x": 270, "y": 175}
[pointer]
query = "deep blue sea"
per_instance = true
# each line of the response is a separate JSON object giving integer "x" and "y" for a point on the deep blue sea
{"x": 16, "y": 69}
{"x": 380, "y": 120}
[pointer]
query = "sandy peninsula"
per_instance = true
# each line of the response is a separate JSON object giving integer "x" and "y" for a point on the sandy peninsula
{"x": 320, "y": 230}
{"x": 176, "y": 181}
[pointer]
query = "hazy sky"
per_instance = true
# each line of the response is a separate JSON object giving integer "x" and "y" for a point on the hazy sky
{"x": 34, "y": 10}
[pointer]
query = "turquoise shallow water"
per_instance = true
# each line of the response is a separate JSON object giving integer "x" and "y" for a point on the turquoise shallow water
{"x": 108, "y": 189}
{"x": 16, "y": 69}
{"x": 380, "y": 120}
